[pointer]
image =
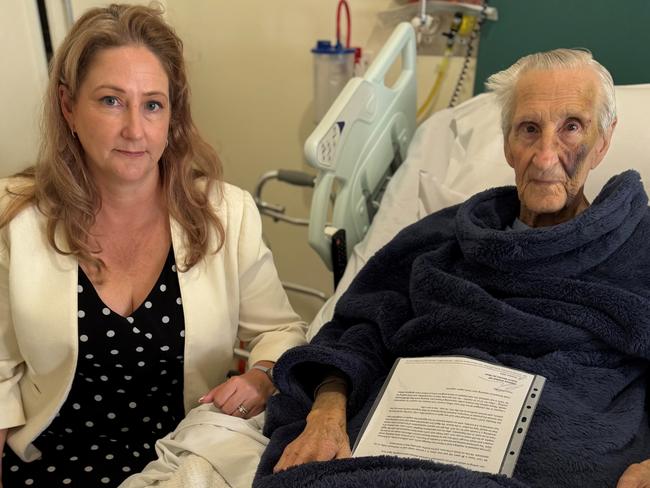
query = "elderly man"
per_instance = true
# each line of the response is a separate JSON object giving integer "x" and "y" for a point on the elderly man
{"x": 534, "y": 278}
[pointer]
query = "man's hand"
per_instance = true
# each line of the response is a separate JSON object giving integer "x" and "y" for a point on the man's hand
{"x": 636, "y": 476}
{"x": 244, "y": 395}
{"x": 325, "y": 437}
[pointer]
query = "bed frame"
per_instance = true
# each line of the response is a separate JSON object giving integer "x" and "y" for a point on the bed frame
{"x": 357, "y": 146}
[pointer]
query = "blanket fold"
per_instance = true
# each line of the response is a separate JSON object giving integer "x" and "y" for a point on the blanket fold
{"x": 569, "y": 302}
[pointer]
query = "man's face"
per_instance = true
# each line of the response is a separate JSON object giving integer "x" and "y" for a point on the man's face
{"x": 554, "y": 142}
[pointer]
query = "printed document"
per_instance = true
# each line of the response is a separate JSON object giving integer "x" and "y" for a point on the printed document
{"x": 454, "y": 410}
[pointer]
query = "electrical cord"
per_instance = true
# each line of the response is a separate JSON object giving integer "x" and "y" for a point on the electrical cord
{"x": 454, "y": 29}
{"x": 468, "y": 56}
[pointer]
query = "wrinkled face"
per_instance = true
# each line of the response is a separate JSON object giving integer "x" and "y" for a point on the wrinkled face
{"x": 121, "y": 115}
{"x": 554, "y": 142}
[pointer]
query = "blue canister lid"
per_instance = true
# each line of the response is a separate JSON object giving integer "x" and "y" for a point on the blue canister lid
{"x": 326, "y": 47}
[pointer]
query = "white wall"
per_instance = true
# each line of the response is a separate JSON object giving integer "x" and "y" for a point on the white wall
{"x": 23, "y": 80}
{"x": 251, "y": 76}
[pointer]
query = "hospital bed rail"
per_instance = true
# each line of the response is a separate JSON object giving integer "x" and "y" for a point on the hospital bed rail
{"x": 358, "y": 145}
{"x": 277, "y": 213}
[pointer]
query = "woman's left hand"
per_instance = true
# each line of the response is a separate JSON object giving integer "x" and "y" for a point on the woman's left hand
{"x": 636, "y": 476}
{"x": 244, "y": 395}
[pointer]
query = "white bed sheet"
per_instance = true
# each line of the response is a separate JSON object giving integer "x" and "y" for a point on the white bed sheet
{"x": 459, "y": 152}
{"x": 208, "y": 449}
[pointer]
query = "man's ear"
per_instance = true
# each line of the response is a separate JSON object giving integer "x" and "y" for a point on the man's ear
{"x": 65, "y": 102}
{"x": 507, "y": 152}
{"x": 603, "y": 143}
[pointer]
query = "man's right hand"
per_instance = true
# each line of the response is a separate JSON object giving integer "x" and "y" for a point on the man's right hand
{"x": 325, "y": 437}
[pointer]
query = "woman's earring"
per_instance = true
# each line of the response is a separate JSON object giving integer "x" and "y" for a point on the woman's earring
{"x": 74, "y": 134}
{"x": 167, "y": 144}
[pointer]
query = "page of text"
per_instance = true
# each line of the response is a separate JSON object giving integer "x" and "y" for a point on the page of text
{"x": 454, "y": 410}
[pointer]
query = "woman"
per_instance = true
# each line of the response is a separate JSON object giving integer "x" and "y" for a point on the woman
{"x": 127, "y": 270}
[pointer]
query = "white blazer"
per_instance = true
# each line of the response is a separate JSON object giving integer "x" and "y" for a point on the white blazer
{"x": 232, "y": 295}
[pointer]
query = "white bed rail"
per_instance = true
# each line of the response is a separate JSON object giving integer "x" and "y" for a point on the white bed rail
{"x": 359, "y": 144}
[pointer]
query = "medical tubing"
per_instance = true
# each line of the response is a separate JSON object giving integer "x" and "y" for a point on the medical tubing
{"x": 343, "y": 3}
{"x": 435, "y": 88}
{"x": 470, "y": 49}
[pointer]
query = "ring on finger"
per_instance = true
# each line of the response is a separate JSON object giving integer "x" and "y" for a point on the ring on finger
{"x": 242, "y": 409}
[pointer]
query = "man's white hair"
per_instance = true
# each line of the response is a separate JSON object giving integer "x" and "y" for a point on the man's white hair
{"x": 504, "y": 82}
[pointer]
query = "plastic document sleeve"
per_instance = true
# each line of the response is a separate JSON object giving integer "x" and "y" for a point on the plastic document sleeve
{"x": 453, "y": 410}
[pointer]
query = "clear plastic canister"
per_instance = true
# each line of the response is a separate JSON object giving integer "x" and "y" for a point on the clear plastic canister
{"x": 333, "y": 68}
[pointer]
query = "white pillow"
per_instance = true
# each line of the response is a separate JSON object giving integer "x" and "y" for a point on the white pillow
{"x": 630, "y": 147}
{"x": 477, "y": 162}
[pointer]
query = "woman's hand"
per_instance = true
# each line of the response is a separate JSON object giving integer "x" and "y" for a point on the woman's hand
{"x": 636, "y": 476}
{"x": 244, "y": 395}
{"x": 325, "y": 437}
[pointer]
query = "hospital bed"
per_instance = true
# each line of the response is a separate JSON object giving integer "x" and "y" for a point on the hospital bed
{"x": 370, "y": 129}
{"x": 389, "y": 175}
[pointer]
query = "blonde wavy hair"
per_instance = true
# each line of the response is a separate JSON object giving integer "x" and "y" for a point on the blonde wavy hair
{"x": 60, "y": 184}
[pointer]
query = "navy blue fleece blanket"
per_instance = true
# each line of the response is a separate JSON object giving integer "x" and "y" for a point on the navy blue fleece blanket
{"x": 570, "y": 302}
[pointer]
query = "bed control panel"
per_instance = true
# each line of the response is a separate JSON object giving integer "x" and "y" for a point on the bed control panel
{"x": 328, "y": 144}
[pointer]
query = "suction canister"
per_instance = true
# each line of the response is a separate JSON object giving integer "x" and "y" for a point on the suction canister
{"x": 333, "y": 68}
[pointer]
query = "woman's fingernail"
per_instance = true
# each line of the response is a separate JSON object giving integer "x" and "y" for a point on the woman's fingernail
{"x": 201, "y": 399}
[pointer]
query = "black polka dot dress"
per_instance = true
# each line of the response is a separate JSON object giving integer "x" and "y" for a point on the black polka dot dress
{"x": 126, "y": 394}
